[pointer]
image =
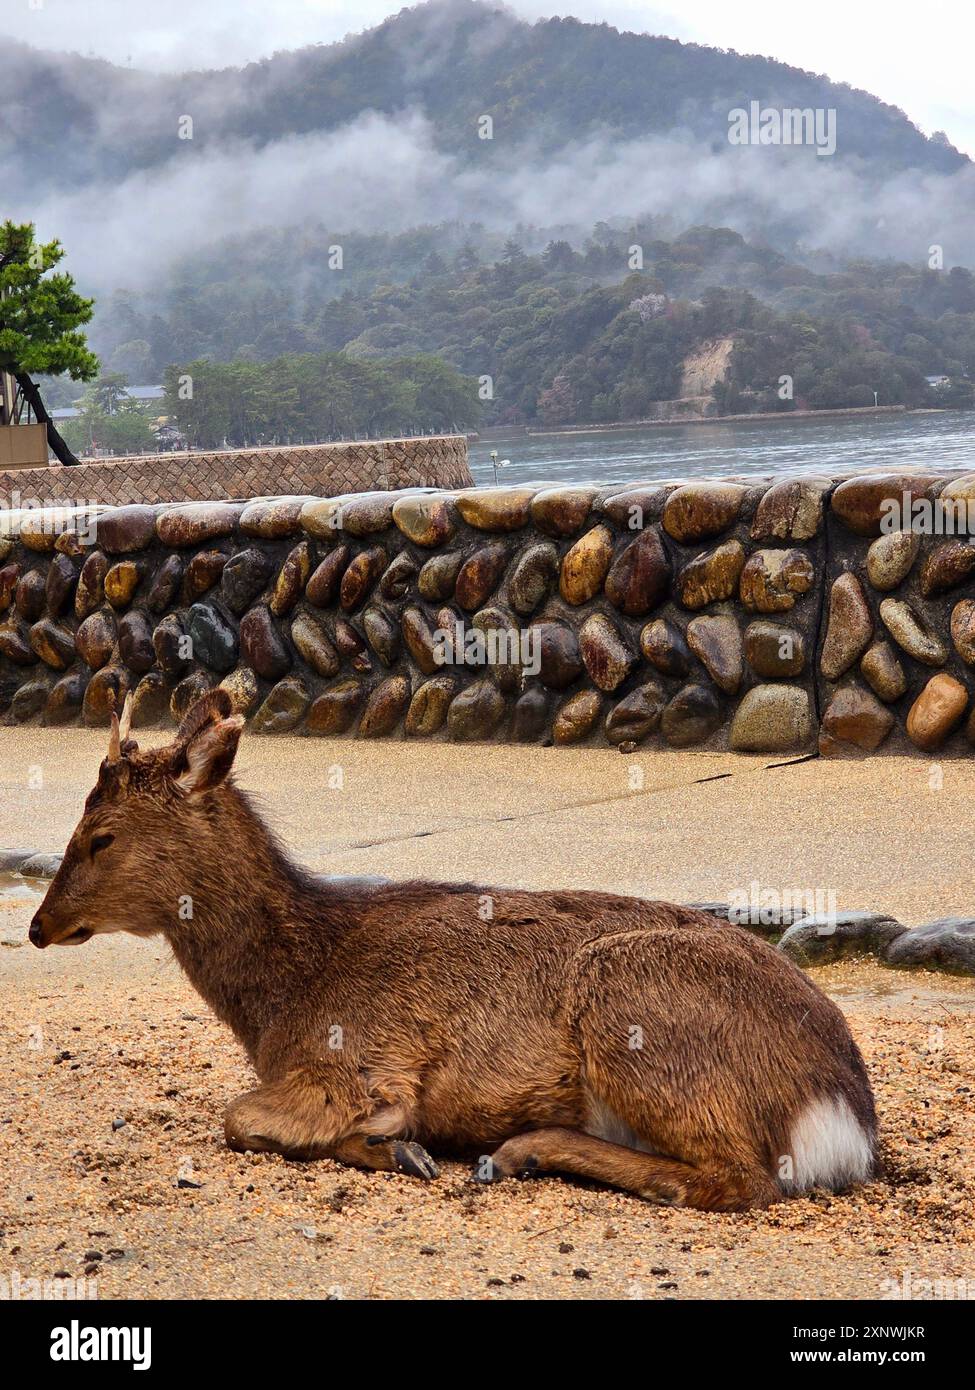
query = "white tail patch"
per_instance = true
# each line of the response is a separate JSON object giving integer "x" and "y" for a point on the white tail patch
{"x": 830, "y": 1148}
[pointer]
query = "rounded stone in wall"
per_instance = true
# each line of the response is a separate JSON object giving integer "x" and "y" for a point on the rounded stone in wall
{"x": 862, "y": 503}
{"x": 360, "y": 577}
{"x": 291, "y": 580}
{"x": 529, "y": 719}
{"x": 311, "y": 638}
{"x": 577, "y": 717}
{"x": 30, "y": 595}
{"x": 323, "y": 585}
{"x": 562, "y": 511}
{"x": 428, "y": 707}
{"x": 61, "y": 578}
{"x": 772, "y": 580}
{"x": 849, "y": 627}
{"x": 9, "y": 575}
{"x": 716, "y": 642}
{"x": 15, "y": 643}
{"x": 639, "y": 577}
{"x": 121, "y": 582}
{"x": 662, "y": 644}
{"x": 585, "y": 566}
{"x": 105, "y": 692}
{"x": 773, "y": 650}
{"x": 66, "y": 698}
{"x": 963, "y": 630}
{"x": 911, "y": 633}
{"x": 890, "y": 558}
{"x": 335, "y": 709}
{"x": 29, "y": 700}
{"x": 261, "y": 644}
{"x": 135, "y": 641}
{"x": 857, "y": 717}
{"x": 771, "y": 719}
{"x": 90, "y": 592}
{"x": 165, "y": 584}
{"x": 946, "y": 567}
{"x": 637, "y": 714}
{"x": 711, "y": 577}
{"x": 496, "y": 509}
{"x": 936, "y": 712}
{"x": 697, "y": 511}
{"x": 502, "y": 642}
{"x": 213, "y": 637}
{"x": 202, "y": 573}
{"x": 241, "y": 685}
{"x": 273, "y": 518}
{"x": 479, "y": 576}
{"x": 419, "y": 639}
{"x": 95, "y": 638}
{"x": 169, "y": 644}
{"x": 439, "y": 575}
{"x": 398, "y": 577}
{"x": 692, "y": 716}
{"x": 476, "y": 712}
{"x": 382, "y": 635}
{"x": 150, "y": 701}
{"x": 54, "y": 643}
{"x": 791, "y": 510}
{"x": 123, "y": 530}
{"x": 425, "y": 519}
{"x": 560, "y": 661}
{"x": 187, "y": 692}
{"x": 883, "y": 672}
{"x": 532, "y": 577}
{"x": 605, "y": 652}
{"x": 195, "y": 522}
{"x": 243, "y": 577}
{"x": 283, "y": 708}
{"x": 385, "y": 707}
{"x": 351, "y": 645}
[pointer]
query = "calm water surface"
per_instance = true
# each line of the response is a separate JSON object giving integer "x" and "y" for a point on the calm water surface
{"x": 945, "y": 440}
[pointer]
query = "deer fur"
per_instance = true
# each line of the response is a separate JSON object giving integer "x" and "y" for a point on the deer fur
{"x": 637, "y": 1043}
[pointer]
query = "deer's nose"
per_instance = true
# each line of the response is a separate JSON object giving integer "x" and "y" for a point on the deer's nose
{"x": 40, "y": 920}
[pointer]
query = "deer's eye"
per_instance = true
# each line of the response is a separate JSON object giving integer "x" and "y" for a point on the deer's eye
{"x": 100, "y": 842}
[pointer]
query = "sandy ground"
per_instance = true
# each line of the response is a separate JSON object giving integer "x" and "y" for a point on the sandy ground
{"x": 112, "y": 1033}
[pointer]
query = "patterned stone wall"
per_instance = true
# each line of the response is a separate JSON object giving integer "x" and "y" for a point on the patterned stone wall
{"x": 705, "y": 614}
{"x": 320, "y": 469}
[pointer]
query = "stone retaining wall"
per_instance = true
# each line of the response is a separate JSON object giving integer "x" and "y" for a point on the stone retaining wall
{"x": 767, "y": 617}
{"x": 320, "y": 469}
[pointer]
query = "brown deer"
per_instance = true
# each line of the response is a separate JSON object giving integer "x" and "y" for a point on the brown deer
{"x": 637, "y": 1043}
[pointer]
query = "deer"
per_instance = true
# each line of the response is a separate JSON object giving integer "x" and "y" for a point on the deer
{"x": 639, "y": 1044}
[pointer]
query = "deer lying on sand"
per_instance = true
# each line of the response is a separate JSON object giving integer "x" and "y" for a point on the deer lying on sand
{"x": 637, "y": 1043}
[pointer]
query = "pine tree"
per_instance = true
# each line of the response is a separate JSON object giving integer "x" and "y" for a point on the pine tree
{"x": 40, "y": 319}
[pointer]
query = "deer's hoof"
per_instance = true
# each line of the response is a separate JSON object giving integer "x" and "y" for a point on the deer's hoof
{"x": 414, "y": 1160}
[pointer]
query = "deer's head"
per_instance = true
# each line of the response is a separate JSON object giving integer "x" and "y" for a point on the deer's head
{"x": 150, "y": 826}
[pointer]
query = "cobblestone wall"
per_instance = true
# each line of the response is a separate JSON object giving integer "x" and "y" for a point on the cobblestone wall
{"x": 772, "y": 617}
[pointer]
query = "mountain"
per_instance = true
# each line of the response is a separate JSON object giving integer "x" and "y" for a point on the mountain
{"x": 550, "y": 84}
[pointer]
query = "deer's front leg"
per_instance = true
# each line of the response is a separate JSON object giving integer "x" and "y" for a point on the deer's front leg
{"x": 296, "y": 1116}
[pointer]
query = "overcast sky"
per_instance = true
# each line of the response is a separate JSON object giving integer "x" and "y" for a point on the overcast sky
{"x": 917, "y": 56}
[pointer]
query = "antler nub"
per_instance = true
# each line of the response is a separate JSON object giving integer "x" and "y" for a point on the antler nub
{"x": 126, "y": 721}
{"x": 114, "y": 741}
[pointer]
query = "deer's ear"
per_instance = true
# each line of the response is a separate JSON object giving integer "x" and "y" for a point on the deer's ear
{"x": 209, "y": 755}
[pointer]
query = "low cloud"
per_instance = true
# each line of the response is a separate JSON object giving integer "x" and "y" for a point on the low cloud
{"x": 387, "y": 174}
